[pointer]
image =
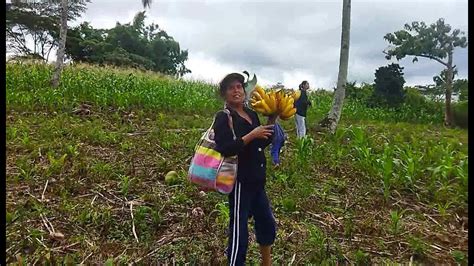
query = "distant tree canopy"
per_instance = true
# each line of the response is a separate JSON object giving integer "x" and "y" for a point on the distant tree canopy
{"x": 461, "y": 86}
{"x": 388, "y": 89}
{"x": 36, "y": 21}
{"x": 360, "y": 93}
{"x": 435, "y": 42}
{"x": 132, "y": 44}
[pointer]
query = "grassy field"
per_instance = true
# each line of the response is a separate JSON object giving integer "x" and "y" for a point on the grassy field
{"x": 87, "y": 162}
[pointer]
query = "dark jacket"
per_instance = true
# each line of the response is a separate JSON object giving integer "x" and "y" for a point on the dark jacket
{"x": 302, "y": 104}
{"x": 251, "y": 167}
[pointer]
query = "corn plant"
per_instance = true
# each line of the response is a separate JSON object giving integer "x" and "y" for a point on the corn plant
{"x": 56, "y": 165}
{"x": 304, "y": 149}
{"x": 317, "y": 240}
{"x": 386, "y": 163}
{"x": 396, "y": 221}
{"x": 124, "y": 184}
{"x": 408, "y": 161}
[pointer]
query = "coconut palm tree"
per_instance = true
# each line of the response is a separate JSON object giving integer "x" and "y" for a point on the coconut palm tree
{"x": 146, "y": 3}
{"x": 332, "y": 118}
{"x": 62, "y": 45}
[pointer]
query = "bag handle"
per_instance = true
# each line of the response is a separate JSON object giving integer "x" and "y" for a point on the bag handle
{"x": 231, "y": 122}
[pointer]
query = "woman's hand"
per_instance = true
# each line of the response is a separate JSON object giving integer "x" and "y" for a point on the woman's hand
{"x": 260, "y": 132}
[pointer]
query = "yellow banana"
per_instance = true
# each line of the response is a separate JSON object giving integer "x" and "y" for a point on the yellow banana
{"x": 256, "y": 95}
{"x": 288, "y": 115}
{"x": 279, "y": 95}
{"x": 273, "y": 103}
{"x": 259, "y": 110}
{"x": 287, "y": 108}
{"x": 290, "y": 101}
{"x": 255, "y": 103}
{"x": 296, "y": 94}
{"x": 260, "y": 91}
{"x": 267, "y": 108}
{"x": 283, "y": 103}
{"x": 289, "y": 112}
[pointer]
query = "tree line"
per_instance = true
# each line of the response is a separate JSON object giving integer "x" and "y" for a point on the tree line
{"x": 133, "y": 44}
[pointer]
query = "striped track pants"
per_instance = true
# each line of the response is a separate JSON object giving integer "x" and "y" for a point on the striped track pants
{"x": 246, "y": 201}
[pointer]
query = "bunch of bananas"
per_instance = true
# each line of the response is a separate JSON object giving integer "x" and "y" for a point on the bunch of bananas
{"x": 278, "y": 102}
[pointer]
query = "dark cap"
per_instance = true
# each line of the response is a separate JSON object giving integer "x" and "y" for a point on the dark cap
{"x": 225, "y": 82}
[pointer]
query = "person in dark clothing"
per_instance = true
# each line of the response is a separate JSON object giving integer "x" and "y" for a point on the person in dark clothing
{"x": 248, "y": 197}
{"x": 301, "y": 107}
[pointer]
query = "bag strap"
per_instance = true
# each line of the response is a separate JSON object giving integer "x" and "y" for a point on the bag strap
{"x": 231, "y": 122}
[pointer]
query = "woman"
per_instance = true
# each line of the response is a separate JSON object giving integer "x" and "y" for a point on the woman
{"x": 248, "y": 197}
{"x": 301, "y": 106}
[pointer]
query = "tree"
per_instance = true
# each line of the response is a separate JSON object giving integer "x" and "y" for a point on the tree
{"x": 62, "y": 46}
{"x": 130, "y": 45}
{"x": 332, "y": 119}
{"x": 435, "y": 42}
{"x": 389, "y": 83}
{"x": 39, "y": 22}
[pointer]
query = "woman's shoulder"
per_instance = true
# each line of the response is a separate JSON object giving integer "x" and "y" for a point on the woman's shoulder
{"x": 220, "y": 115}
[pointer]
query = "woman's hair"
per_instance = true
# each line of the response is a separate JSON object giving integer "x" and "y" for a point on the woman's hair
{"x": 303, "y": 83}
{"x": 224, "y": 84}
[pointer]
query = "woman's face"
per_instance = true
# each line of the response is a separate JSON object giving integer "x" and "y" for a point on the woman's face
{"x": 306, "y": 86}
{"x": 235, "y": 93}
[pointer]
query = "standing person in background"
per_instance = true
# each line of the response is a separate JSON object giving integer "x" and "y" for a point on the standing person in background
{"x": 301, "y": 106}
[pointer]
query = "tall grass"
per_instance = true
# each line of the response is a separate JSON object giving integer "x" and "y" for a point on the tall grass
{"x": 431, "y": 113}
{"x": 28, "y": 88}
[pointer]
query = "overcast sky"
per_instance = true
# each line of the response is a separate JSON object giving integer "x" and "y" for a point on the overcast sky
{"x": 288, "y": 41}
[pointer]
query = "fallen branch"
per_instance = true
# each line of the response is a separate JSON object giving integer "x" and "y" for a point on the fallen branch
{"x": 133, "y": 222}
{"x": 92, "y": 202}
{"x": 65, "y": 247}
{"x": 109, "y": 200}
{"x": 292, "y": 260}
{"x": 50, "y": 230}
{"x": 84, "y": 260}
{"x": 432, "y": 219}
{"x": 44, "y": 190}
{"x": 138, "y": 133}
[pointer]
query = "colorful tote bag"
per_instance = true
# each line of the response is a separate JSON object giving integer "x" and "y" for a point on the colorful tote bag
{"x": 209, "y": 169}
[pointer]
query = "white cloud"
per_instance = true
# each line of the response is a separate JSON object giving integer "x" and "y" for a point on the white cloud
{"x": 287, "y": 41}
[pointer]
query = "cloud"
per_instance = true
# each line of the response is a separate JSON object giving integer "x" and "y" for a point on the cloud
{"x": 288, "y": 41}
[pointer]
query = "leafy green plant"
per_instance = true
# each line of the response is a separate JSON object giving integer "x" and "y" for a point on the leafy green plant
{"x": 124, "y": 184}
{"x": 223, "y": 217}
{"x": 361, "y": 258}
{"x": 386, "y": 166}
{"x": 396, "y": 221}
{"x": 317, "y": 240}
{"x": 304, "y": 148}
{"x": 443, "y": 207}
{"x": 417, "y": 245}
{"x": 56, "y": 165}
{"x": 288, "y": 205}
{"x": 156, "y": 217}
{"x": 459, "y": 257}
{"x": 282, "y": 178}
{"x": 72, "y": 150}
